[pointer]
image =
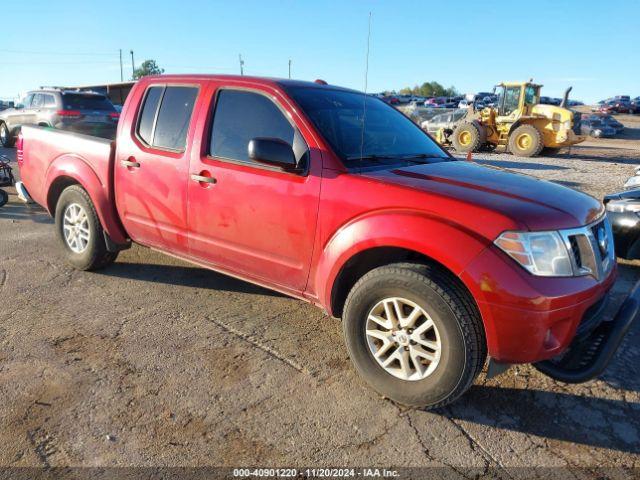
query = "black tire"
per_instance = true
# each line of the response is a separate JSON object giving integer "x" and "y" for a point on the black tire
{"x": 467, "y": 137}
{"x": 453, "y": 312}
{"x": 526, "y": 141}
{"x": 5, "y": 136}
{"x": 4, "y": 197}
{"x": 95, "y": 255}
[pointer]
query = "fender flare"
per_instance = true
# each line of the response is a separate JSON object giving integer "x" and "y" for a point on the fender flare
{"x": 419, "y": 232}
{"x": 74, "y": 167}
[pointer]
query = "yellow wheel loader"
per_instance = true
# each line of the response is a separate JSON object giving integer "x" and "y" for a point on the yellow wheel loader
{"x": 517, "y": 122}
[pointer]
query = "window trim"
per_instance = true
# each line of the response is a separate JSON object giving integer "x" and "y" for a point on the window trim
{"x": 164, "y": 87}
{"x": 235, "y": 161}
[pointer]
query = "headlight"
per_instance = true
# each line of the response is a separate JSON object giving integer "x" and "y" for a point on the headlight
{"x": 541, "y": 253}
{"x": 624, "y": 205}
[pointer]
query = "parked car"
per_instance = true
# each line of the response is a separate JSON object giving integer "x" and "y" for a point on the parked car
{"x": 623, "y": 210}
{"x": 82, "y": 112}
{"x": 596, "y": 128}
{"x": 431, "y": 262}
{"x": 391, "y": 100}
{"x": 615, "y": 106}
{"x": 607, "y": 120}
{"x": 443, "y": 120}
{"x": 634, "y": 105}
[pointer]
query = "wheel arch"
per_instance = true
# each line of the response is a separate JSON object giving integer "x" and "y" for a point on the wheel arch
{"x": 388, "y": 238}
{"x": 70, "y": 170}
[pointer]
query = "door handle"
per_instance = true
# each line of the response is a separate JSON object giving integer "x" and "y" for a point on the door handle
{"x": 130, "y": 163}
{"x": 202, "y": 179}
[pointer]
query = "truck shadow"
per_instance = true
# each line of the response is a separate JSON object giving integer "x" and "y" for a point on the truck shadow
{"x": 185, "y": 277}
{"x": 14, "y": 209}
{"x": 594, "y": 422}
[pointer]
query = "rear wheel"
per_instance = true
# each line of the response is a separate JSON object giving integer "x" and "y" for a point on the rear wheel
{"x": 5, "y": 136}
{"x": 467, "y": 137}
{"x": 526, "y": 141}
{"x": 413, "y": 334}
{"x": 80, "y": 232}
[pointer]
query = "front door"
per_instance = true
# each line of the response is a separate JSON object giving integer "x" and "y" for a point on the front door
{"x": 152, "y": 166}
{"x": 255, "y": 220}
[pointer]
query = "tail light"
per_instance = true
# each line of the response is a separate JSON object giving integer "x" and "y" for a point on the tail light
{"x": 115, "y": 116}
{"x": 20, "y": 149}
{"x": 69, "y": 113}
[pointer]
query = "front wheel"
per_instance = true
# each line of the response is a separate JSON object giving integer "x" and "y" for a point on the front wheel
{"x": 414, "y": 335}
{"x": 80, "y": 232}
{"x": 526, "y": 141}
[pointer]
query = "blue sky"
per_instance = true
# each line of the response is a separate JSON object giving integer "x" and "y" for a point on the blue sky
{"x": 469, "y": 44}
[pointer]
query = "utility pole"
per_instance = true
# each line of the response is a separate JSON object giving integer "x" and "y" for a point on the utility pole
{"x": 121, "y": 72}
{"x": 133, "y": 66}
{"x": 241, "y": 64}
{"x": 289, "y": 68}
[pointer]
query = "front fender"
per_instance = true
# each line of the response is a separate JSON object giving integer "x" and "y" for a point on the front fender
{"x": 73, "y": 166}
{"x": 436, "y": 238}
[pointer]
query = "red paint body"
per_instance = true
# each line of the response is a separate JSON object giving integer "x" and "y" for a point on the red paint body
{"x": 294, "y": 233}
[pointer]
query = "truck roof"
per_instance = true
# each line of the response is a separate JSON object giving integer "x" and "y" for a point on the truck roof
{"x": 272, "y": 81}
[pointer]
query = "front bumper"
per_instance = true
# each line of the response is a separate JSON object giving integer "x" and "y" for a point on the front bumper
{"x": 528, "y": 319}
{"x": 588, "y": 356}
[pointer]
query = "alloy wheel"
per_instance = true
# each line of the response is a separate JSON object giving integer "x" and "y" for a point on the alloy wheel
{"x": 403, "y": 339}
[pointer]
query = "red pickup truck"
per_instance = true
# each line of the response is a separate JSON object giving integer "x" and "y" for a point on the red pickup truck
{"x": 334, "y": 197}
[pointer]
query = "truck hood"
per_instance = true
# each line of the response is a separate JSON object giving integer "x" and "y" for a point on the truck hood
{"x": 527, "y": 201}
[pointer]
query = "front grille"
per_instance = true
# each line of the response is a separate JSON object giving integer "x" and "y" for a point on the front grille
{"x": 591, "y": 248}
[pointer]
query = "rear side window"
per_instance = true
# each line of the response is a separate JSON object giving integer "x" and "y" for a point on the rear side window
{"x": 148, "y": 114}
{"x": 49, "y": 101}
{"x": 79, "y": 101}
{"x": 241, "y": 116}
{"x": 164, "y": 119}
{"x": 37, "y": 100}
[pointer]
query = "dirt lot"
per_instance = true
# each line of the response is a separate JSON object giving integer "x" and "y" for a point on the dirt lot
{"x": 153, "y": 362}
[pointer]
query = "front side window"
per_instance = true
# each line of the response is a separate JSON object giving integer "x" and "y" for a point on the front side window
{"x": 241, "y": 116}
{"x": 511, "y": 100}
{"x": 165, "y": 116}
{"x": 26, "y": 102}
{"x": 363, "y": 130}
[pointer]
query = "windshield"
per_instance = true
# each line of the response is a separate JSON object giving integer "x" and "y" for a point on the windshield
{"x": 79, "y": 101}
{"x": 388, "y": 135}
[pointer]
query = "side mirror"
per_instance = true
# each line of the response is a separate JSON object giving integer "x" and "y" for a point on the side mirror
{"x": 273, "y": 151}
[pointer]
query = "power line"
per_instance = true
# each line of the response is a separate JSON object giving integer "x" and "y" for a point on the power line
{"x": 32, "y": 52}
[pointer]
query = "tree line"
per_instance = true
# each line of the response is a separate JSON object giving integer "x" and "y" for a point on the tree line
{"x": 430, "y": 89}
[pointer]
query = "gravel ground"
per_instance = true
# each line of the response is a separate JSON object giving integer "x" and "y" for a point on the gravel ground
{"x": 153, "y": 362}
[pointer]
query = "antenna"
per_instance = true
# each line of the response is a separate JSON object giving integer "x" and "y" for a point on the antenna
{"x": 364, "y": 101}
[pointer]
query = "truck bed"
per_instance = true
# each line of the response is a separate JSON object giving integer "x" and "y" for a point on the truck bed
{"x": 49, "y": 151}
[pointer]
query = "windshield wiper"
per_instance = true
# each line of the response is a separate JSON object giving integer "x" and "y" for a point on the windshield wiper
{"x": 375, "y": 158}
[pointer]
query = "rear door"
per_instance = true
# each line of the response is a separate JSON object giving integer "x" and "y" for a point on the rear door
{"x": 255, "y": 220}
{"x": 151, "y": 167}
